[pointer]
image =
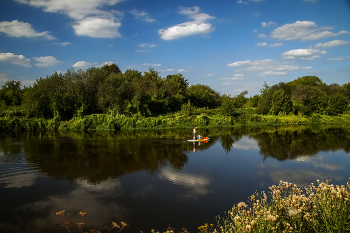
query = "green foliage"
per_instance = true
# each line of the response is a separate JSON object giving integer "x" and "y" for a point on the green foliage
{"x": 203, "y": 96}
{"x": 337, "y": 104}
{"x": 228, "y": 106}
{"x": 11, "y": 93}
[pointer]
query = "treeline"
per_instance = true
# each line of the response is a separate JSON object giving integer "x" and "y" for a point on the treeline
{"x": 99, "y": 90}
{"x": 80, "y": 93}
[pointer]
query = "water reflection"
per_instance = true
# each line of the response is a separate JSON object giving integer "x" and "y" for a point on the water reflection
{"x": 153, "y": 178}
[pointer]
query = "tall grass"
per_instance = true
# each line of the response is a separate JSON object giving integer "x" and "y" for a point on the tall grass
{"x": 324, "y": 208}
{"x": 204, "y": 118}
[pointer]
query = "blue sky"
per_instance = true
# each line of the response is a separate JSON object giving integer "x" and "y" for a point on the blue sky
{"x": 230, "y": 45}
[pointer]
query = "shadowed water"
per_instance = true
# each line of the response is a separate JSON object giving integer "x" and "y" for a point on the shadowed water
{"x": 153, "y": 179}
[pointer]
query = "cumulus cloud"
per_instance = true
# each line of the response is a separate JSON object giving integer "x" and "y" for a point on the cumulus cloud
{"x": 304, "y": 54}
{"x": 332, "y": 43}
{"x": 262, "y": 35}
{"x": 15, "y": 59}
{"x": 142, "y": 16}
{"x": 303, "y": 30}
{"x": 197, "y": 26}
{"x": 198, "y": 185}
{"x": 182, "y": 70}
{"x": 77, "y": 9}
{"x": 266, "y": 67}
{"x": 81, "y": 64}
{"x": 264, "y": 24}
{"x": 270, "y": 72}
{"x": 261, "y": 44}
{"x": 21, "y": 29}
{"x": 275, "y": 45}
{"x": 97, "y": 28}
{"x": 105, "y": 63}
{"x": 46, "y": 61}
{"x": 91, "y": 17}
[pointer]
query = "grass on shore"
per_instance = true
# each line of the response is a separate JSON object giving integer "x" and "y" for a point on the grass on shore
{"x": 205, "y": 118}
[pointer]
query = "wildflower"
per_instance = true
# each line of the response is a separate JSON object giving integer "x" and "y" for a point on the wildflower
{"x": 60, "y": 213}
{"x": 292, "y": 212}
{"x": 115, "y": 225}
{"x": 82, "y": 213}
{"x": 237, "y": 218}
{"x": 248, "y": 228}
{"x": 241, "y": 205}
{"x": 66, "y": 223}
{"x": 124, "y": 224}
{"x": 80, "y": 224}
{"x": 270, "y": 218}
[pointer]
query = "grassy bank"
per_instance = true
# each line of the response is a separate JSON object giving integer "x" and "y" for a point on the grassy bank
{"x": 201, "y": 118}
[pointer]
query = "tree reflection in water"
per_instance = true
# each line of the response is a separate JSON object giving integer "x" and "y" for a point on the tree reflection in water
{"x": 97, "y": 156}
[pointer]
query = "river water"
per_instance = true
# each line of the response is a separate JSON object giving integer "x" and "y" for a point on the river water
{"x": 155, "y": 179}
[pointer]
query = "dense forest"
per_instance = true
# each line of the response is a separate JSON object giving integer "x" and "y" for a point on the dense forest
{"x": 103, "y": 91}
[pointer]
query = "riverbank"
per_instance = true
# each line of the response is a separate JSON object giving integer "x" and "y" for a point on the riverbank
{"x": 203, "y": 119}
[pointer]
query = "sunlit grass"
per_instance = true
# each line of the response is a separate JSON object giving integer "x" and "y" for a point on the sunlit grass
{"x": 323, "y": 208}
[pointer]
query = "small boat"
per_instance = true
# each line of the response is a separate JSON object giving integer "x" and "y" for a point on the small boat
{"x": 198, "y": 140}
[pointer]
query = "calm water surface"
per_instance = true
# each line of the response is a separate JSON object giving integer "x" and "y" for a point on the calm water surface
{"x": 153, "y": 179}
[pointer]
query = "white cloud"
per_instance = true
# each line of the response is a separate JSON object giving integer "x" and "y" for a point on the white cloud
{"x": 81, "y": 64}
{"x": 77, "y": 9}
{"x": 304, "y": 54}
{"x": 3, "y": 80}
{"x": 275, "y": 45}
{"x": 152, "y": 65}
{"x": 235, "y": 77}
{"x": 182, "y": 70}
{"x": 91, "y": 20}
{"x": 15, "y": 59}
{"x": 21, "y": 29}
{"x": 262, "y": 35}
{"x": 239, "y": 63}
{"x": 141, "y": 51}
{"x": 97, "y": 28}
{"x": 241, "y": 2}
{"x": 266, "y": 67}
{"x": 270, "y": 72}
{"x": 105, "y": 63}
{"x": 147, "y": 45}
{"x": 46, "y": 61}
{"x": 209, "y": 75}
{"x": 264, "y": 24}
{"x": 62, "y": 43}
{"x": 197, "y": 26}
{"x": 261, "y": 44}
{"x": 303, "y": 30}
{"x": 195, "y": 183}
{"x": 142, "y": 16}
{"x": 169, "y": 70}
{"x": 332, "y": 44}
{"x": 246, "y": 144}
{"x": 339, "y": 58}
{"x": 311, "y": 1}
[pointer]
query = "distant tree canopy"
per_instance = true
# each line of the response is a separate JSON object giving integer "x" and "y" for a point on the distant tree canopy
{"x": 306, "y": 95}
{"x": 77, "y": 93}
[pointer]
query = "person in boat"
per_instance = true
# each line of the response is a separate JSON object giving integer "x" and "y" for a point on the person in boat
{"x": 199, "y": 137}
{"x": 194, "y": 133}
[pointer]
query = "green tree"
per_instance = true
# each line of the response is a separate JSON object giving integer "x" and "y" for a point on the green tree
{"x": 337, "y": 104}
{"x": 11, "y": 93}
{"x": 203, "y": 96}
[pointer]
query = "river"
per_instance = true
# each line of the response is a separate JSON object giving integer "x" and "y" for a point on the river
{"x": 152, "y": 179}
